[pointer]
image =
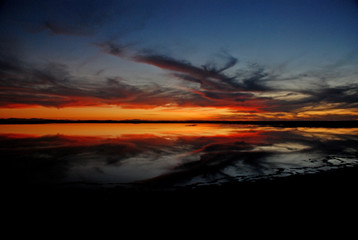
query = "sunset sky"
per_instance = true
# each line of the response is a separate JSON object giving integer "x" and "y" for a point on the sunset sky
{"x": 179, "y": 60}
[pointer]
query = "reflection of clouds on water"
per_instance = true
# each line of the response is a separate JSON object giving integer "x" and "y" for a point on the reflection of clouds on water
{"x": 176, "y": 160}
{"x": 281, "y": 147}
{"x": 326, "y": 134}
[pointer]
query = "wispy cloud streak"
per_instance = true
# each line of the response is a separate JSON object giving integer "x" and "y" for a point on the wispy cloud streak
{"x": 55, "y": 86}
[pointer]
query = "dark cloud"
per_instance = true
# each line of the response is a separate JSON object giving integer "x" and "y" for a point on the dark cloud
{"x": 118, "y": 50}
{"x": 216, "y": 86}
{"x": 235, "y": 89}
{"x": 343, "y": 95}
{"x": 54, "y": 86}
{"x": 210, "y": 76}
{"x": 328, "y": 98}
{"x": 230, "y": 62}
{"x": 22, "y": 84}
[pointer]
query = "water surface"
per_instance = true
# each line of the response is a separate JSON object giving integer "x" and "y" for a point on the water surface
{"x": 170, "y": 155}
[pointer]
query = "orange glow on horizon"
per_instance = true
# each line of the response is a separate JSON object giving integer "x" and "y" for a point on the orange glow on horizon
{"x": 116, "y": 113}
{"x": 112, "y": 112}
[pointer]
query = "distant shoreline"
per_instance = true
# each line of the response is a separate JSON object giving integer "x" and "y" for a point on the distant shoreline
{"x": 327, "y": 124}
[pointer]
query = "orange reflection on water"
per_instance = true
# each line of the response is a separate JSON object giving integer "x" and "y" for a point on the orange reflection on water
{"x": 120, "y": 129}
{"x": 328, "y": 133}
{"x": 350, "y": 131}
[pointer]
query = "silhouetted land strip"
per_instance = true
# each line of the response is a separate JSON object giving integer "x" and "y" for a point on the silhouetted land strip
{"x": 327, "y": 124}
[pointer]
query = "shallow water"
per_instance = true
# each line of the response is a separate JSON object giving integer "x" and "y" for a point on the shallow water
{"x": 170, "y": 155}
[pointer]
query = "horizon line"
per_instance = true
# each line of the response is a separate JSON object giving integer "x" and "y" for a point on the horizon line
{"x": 279, "y": 123}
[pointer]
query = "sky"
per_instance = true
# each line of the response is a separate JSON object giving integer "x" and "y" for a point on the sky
{"x": 179, "y": 60}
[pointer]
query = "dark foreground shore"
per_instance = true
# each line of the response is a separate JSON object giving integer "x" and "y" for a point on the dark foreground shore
{"x": 339, "y": 184}
{"x": 306, "y": 200}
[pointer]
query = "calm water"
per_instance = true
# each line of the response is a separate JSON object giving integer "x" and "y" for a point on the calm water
{"x": 171, "y": 155}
